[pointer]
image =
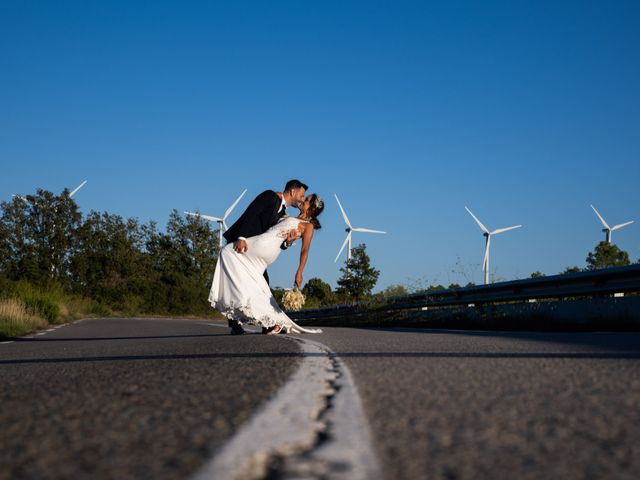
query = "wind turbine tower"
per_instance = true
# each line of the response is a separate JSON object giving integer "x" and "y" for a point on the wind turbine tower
{"x": 487, "y": 234}
{"x": 350, "y": 229}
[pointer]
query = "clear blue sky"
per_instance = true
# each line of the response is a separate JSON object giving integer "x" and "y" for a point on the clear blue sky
{"x": 527, "y": 112}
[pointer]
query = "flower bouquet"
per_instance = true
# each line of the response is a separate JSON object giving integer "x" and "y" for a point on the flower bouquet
{"x": 293, "y": 299}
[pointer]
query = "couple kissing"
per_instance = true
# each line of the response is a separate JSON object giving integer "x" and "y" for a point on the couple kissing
{"x": 240, "y": 288}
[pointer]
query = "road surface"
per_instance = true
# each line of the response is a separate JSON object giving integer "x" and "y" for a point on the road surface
{"x": 161, "y": 398}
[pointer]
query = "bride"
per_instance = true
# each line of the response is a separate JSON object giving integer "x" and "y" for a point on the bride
{"x": 239, "y": 290}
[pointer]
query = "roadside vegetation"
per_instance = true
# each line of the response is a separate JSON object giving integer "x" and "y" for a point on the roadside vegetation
{"x": 359, "y": 279}
{"x": 57, "y": 265}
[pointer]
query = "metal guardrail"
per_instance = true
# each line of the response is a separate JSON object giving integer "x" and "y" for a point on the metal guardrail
{"x": 595, "y": 283}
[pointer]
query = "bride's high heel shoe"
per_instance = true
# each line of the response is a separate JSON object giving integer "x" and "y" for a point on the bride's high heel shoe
{"x": 275, "y": 330}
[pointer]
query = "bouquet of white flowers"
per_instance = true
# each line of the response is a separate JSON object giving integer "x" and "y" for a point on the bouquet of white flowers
{"x": 293, "y": 299}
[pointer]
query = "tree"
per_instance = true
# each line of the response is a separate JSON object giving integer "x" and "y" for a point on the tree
{"x": 67, "y": 219}
{"x": 537, "y": 274}
{"x": 11, "y": 222}
{"x": 5, "y": 250}
{"x": 318, "y": 293}
{"x": 183, "y": 262}
{"x": 607, "y": 255}
{"x": 574, "y": 269}
{"x": 130, "y": 267}
{"x": 395, "y": 291}
{"x": 358, "y": 276}
{"x": 278, "y": 293}
{"x": 109, "y": 263}
{"x": 41, "y": 232}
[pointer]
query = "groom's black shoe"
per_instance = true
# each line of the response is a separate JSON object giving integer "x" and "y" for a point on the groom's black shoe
{"x": 236, "y": 328}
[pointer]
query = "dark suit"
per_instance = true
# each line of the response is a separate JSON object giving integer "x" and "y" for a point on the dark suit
{"x": 260, "y": 216}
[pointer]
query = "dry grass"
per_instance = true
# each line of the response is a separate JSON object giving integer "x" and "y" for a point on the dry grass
{"x": 15, "y": 319}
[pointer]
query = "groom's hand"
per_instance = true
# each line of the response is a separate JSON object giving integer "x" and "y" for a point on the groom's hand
{"x": 240, "y": 246}
{"x": 292, "y": 236}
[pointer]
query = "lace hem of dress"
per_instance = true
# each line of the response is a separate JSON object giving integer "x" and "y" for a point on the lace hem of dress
{"x": 244, "y": 314}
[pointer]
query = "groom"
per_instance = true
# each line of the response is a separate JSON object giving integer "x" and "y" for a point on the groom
{"x": 262, "y": 213}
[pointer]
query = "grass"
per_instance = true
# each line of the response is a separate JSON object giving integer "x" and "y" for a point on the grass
{"x": 25, "y": 308}
{"x": 17, "y": 320}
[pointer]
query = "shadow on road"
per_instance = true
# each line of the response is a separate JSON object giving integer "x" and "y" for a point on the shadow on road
{"x": 96, "y": 339}
{"x": 227, "y": 356}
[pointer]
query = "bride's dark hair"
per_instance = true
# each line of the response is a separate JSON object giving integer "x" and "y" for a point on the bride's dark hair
{"x": 315, "y": 209}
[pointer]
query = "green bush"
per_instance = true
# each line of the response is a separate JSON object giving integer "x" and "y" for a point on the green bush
{"x": 99, "y": 309}
{"x": 45, "y": 304}
{"x": 132, "y": 305}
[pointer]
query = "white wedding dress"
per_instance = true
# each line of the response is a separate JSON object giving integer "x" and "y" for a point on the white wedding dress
{"x": 239, "y": 290}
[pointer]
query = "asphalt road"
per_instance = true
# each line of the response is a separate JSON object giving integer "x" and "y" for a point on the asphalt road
{"x": 119, "y": 399}
{"x": 487, "y": 405}
{"x": 156, "y": 398}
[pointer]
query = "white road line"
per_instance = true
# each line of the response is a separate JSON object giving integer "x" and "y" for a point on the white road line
{"x": 41, "y": 333}
{"x": 352, "y": 442}
{"x": 289, "y": 424}
{"x": 4, "y": 343}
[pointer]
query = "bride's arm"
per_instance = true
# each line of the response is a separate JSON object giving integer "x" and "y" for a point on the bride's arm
{"x": 307, "y": 235}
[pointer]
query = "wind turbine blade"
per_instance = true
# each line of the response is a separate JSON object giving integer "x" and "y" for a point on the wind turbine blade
{"x": 600, "y": 217}
{"x": 501, "y": 230}
{"x": 77, "y": 188}
{"x": 226, "y": 214}
{"x": 344, "y": 244}
{"x": 225, "y": 225}
{"x": 621, "y": 225}
{"x": 206, "y": 217}
{"x": 484, "y": 229}
{"x": 367, "y": 230}
{"x": 346, "y": 219}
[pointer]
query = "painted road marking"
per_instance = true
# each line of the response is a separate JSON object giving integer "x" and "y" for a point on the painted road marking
{"x": 320, "y": 398}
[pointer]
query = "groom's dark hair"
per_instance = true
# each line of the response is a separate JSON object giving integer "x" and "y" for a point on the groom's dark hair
{"x": 291, "y": 184}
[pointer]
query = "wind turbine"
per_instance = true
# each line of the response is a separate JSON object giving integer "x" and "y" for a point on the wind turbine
{"x": 71, "y": 194}
{"x": 349, "y": 231}
{"x": 607, "y": 229}
{"x": 488, "y": 234}
{"x": 221, "y": 221}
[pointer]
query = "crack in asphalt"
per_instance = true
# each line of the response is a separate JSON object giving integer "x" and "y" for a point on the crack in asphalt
{"x": 314, "y": 427}
{"x": 303, "y": 463}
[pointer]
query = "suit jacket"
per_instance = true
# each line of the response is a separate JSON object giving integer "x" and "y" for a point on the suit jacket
{"x": 260, "y": 215}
